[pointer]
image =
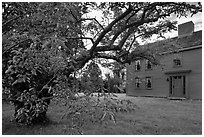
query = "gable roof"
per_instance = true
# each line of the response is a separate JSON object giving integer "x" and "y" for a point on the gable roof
{"x": 191, "y": 40}
{"x": 177, "y": 43}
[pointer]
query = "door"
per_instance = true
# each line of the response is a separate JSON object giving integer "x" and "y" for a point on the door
{"x": 177, "y": 86}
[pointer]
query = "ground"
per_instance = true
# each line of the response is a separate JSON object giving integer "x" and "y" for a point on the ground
{"x": 152, "y": 116}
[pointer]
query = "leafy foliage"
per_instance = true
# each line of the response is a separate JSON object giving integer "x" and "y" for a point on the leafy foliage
{"x": 30, "y": 77}
{"x": 33, "y": 109}
{"x": 34, "y": 55}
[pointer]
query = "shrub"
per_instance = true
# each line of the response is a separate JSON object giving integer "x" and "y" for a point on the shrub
{"x": 29, "y": 79}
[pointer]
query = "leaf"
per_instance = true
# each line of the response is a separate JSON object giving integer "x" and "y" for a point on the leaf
{"x": 114, "y": 95}
{"x": 33, "y": 71}
{"x": 15, "y": 51}
{"x": 15, "y": 59}
{"x": 9, "y": 70}
{"x": 103, "y": 117}
{"x": 113, "y": 118}
{"x": 19, "y": 80}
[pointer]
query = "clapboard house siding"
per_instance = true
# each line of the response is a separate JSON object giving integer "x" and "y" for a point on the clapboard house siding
{"x": 193, "y": 60}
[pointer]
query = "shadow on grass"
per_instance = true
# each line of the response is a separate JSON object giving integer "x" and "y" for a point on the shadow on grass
{"x": 11, "y": 127}
{"x": 152, "y": 117}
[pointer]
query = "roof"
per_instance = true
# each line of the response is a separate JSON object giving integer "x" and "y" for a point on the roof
{"x": 176, "y": 43}
{"x": 190, "y": 41}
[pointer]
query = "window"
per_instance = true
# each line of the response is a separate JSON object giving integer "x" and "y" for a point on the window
{"x": 148, "y": 83}
{"x": 177, "y": 62}
{"x": 148, "y": 65}
{"x": 137, "y": 66}
{"x": 137, "y": 82}
{"x": 184, "y": 85}
{"x": 171, "y": 85}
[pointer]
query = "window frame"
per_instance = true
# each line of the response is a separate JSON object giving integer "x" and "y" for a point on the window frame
{"x": 175, "y": 63}
{"x": 137, "y": 65}
{"x": 146, "y": 78}
{"x": 146, "y": 64}
{"x": 137, "y": 81}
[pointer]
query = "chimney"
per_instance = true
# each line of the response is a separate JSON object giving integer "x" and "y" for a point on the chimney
{"x": 185, "y": 29}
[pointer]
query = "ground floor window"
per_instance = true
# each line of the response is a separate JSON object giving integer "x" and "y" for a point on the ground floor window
{"x": 184, "y": 85}
{"x": 171, "y": 85}
{"x": 148, "y": 83}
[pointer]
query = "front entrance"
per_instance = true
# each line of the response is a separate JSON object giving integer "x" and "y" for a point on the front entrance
{"x": 177, "y": 86}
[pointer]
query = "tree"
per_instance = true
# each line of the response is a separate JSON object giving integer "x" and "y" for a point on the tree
{"x": 35, "y": 55}
{"x": 45, "y": 42}
{"x": 114, "y": 83}
{"x": 91, "y": 80}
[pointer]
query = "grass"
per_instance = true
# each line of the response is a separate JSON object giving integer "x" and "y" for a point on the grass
{"x": 152, "y": 116}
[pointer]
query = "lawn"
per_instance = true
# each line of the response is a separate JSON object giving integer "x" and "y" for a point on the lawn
{"x": 152, "y": 116}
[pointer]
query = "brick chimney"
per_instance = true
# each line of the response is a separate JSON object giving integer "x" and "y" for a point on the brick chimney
{"x": 185, "y": 29}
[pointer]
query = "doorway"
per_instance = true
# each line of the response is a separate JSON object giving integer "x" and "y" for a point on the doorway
{"x": 177, "y": 86}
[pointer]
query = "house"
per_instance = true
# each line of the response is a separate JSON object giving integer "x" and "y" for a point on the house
{"x": 180, "y": 72}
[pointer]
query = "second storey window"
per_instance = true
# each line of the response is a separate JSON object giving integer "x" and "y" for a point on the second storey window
{"x": 148, "y": 83}
{"x": 148, "y": 65}
{"x": 138, "y": 65}
{"x": 137, "y": 82}
{"x": 177, "y": 62}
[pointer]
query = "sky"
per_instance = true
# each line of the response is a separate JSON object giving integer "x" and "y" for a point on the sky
{"x": 196, "y": 19}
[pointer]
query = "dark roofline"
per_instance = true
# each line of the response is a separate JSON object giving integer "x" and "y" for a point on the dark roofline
{"x": 176, "y": 37}
{"x": 176, "y": 44}
{"x": 182, "y": 49}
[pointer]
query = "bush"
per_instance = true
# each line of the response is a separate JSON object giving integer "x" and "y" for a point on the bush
{"x": 28, "y": 81}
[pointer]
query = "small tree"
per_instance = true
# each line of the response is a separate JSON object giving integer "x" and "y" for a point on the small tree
{"x": 91, "y": 80}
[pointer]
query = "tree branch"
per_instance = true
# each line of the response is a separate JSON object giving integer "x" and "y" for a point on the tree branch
{"x": 4, "y": 28}
{"x": 7, "y": 22}
{"x": 114, "y": 47}
{"x": 91, "y": 19}
{"x": 81, "y": 38}
{"x": 131, "y": 44}
{"x": 107, "y": 56}
{"x": 143, "y": 20}
{"x": 106, "y": 48}
{"x": 73, "y": 15}
{"x": 122, "y": 42}
{"x": 109, "y": 28}
{"x": 130, "y": 17}
{"x": 27, "y": 40}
